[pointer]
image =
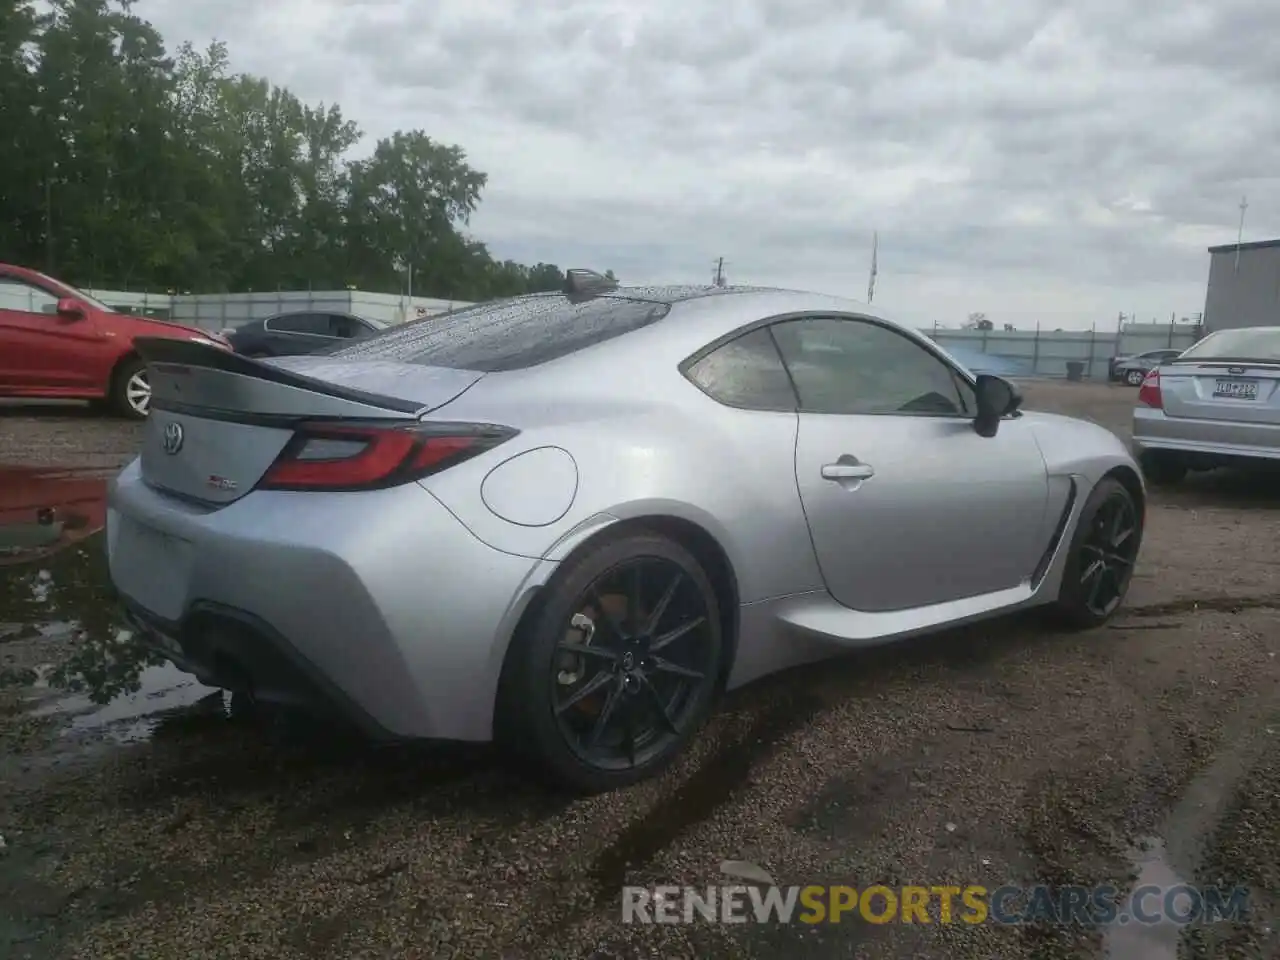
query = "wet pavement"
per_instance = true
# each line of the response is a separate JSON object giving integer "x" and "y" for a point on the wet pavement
{"x": 143, "y": 815}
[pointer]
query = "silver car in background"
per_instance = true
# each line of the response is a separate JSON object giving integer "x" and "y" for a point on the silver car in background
{"x": 1132, "y": 369}
{"x": 568, "y": 521}
{"x": 1217, "y": 404}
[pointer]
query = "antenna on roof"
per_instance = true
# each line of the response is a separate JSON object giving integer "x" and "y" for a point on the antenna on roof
{"x": 871, "y": 283}
{"x": 1244, "y": 205}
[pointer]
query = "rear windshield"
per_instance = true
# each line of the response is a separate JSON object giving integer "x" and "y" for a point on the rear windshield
{"x": 507, "y": 334}
{"x": 1245, "y": 344}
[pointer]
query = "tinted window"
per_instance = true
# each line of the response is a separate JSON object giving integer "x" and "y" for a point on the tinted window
{"x": 19, "y": 295}
{"x": 746, "y": 372}
{"x": 313, "y": 323}
{"x": 346, "y": 327}
{"x": 508, "y": 334}
{"x": 1244, "y": 344}
{"x": 858, "y": 367}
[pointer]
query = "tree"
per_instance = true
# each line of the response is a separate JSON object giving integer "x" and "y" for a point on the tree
{"x": 125, "y": 167}
{"x": 978, "y": 321}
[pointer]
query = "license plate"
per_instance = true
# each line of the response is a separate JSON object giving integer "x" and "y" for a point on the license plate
{"x": 1236, "y": 389}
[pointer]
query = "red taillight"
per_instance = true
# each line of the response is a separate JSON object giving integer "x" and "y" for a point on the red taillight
{"x": 325, "y": 456}
{"x": 1149, "y": 392}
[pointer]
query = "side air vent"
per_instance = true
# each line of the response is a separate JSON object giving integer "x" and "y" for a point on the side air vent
{"x": 1042, "y": 567}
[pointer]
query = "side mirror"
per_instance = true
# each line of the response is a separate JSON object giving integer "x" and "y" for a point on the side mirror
{"x": 70, "y": 308}
{"x": 997, "y": 398}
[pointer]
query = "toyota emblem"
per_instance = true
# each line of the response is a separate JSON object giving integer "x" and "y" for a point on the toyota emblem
{"x": 172, "y": 438}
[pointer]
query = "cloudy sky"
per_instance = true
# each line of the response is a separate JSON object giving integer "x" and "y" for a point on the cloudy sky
{"x": 1017, "y": 158}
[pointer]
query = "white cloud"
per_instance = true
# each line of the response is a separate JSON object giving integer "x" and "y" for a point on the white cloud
{"x": 1030, "y": 160}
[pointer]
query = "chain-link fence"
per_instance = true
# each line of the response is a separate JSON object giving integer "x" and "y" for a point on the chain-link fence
{"x": 222, "y": 311}
{"x": 1045, "y": 353}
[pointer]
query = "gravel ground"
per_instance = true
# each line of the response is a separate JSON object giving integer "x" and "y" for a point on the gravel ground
{"x": 1002, "y": 753}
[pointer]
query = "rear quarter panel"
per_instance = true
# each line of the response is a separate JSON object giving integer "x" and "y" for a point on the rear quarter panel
{"x": 672, "y": 452}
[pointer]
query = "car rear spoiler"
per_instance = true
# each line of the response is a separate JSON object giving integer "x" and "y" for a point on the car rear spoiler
{"x": 196, "y": 376}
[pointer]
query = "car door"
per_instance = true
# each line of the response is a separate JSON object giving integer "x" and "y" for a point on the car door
{"x": 290, "y": 334}
{"x": 40, "y": 350}
{"x": 906, "y": 504}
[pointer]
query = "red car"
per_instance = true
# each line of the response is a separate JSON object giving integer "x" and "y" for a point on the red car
{"x": 59, "y": 343}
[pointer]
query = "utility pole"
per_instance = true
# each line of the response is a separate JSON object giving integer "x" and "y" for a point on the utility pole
{"x": 871, "y": 283}
{"x": 48, "y": 220}
{"x": 719, "y": 281}
{"x": 1244, "y": 205}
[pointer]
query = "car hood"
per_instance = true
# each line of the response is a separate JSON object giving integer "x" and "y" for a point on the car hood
{"x": 146, "y": 327}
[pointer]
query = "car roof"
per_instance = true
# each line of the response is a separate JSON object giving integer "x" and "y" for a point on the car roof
{"x": 709, "y": 312}
{"x": 701, "y": 315}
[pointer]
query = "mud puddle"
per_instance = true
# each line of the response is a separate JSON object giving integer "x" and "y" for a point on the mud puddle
{"x": 1134, "y": 935}
{"x": 68, "y": 661}
{"x": 45, "y": 509}
{"x": 163, "y": 692}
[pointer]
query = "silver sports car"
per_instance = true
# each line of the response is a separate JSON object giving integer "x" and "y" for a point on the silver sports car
{"x": 1217, "y": 404}
{"x": 568, "y": 521}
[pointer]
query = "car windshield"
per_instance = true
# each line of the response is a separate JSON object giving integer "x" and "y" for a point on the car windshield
{"x": 507, "y": 334}
{"x": 79, "y": 294}
{"x": 1245, "y": 344}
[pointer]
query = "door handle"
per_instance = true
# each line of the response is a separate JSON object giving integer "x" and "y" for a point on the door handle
{"x": 847, "y": 471}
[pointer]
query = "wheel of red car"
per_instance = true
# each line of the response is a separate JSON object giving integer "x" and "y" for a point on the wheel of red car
{"x": 131, "y": 390}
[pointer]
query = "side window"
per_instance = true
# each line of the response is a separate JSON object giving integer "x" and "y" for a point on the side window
{"x": 746, "y": 372}
{"x": 312, "y": 323}
{"x": 19, "y": 295}
{"x": 860, "y": 367}
{"x": 346, "y": 327}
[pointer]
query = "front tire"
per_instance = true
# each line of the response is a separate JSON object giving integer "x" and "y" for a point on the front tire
{"x": 131, "y": 390}
{"x": 618, "y": 667}
{"x": 1134, "y": 378}
{"x": 1104, "y": 549}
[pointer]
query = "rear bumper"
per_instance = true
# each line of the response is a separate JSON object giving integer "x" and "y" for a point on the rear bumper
{"x": 1225, "y": 440}
{"x": 380, "y": 605}
{"x": 235, "y": 650}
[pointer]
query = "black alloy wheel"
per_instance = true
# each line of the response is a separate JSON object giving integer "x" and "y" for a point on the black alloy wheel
{"x": 621, "y": 667}
{"x": 1103, "y": 553}
{"x": 1109, "y": 552}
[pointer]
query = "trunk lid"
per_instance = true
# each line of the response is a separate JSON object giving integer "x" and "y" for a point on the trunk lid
{"x": 1240, "y": 391}
{"x": 219, "y": 420}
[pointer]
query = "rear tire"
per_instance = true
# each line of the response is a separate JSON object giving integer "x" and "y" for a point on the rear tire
{"x": 626, "y": 708}
{"x": 1134, "y": 378}
{"x": 1104, "y": 549}
{"x": 1163, "y": 469}
{"x": 130, "y": 395}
